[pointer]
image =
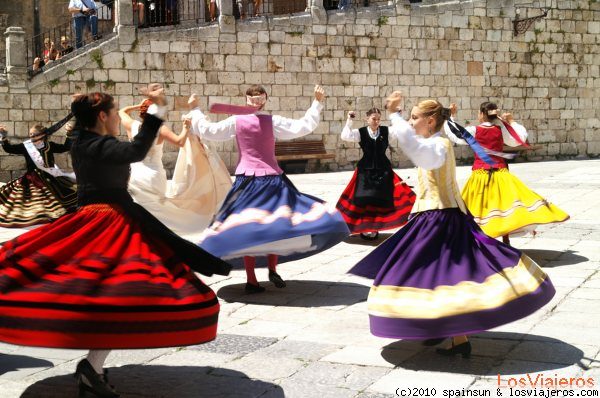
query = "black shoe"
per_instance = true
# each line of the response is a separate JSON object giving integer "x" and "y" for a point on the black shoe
{"x": 276, "y": 279}
{"x": 91, "y": 382}
{"x": 432, "y": 342}
{"x": 463, "y": 349}
{"x": 250, "y": 288}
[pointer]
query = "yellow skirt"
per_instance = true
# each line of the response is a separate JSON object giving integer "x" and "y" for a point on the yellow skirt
{"x": 501, "y": 204}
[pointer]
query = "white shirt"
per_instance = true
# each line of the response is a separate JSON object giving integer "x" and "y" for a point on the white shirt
{"x": 353, "y": 135}
{"x": 427, "y": 153}
{"x": 283, "y": 128}
{"x": 508, "y": 139}
{"x": 80, "y": 4}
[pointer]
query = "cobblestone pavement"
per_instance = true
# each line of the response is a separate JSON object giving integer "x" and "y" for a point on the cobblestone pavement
{"x": 312, "y": 338}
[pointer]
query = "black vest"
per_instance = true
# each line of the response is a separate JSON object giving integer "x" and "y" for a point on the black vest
{"x": 374, "y": 156}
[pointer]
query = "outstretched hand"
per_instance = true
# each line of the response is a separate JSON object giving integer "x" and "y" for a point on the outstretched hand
{"x": 319, "y": 93}
{"x": 3, "y": 132}
{"x": 194, "y": 101}
{"x": 453, "y": 109}
{"x": 508, "y": 117}
{"x": 155, "y": 93}
{"x": 392, "y": 102}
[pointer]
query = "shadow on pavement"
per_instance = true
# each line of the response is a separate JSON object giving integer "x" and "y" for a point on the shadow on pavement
{"x": 298, "y": 293}
{"x": 493, "y": 353}
{"x": 163, "y": 381}
{"x": 9, "y": 363}
{"x": 554, "y": 258}
{"x": 357, "y": 240}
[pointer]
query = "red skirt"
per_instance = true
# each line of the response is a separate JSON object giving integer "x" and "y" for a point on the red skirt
{"x": 94, "y": 280}
{"x": 361, "y": 219}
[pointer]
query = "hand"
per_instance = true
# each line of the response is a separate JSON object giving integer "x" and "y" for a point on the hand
{"x": 155, "y": 93}
{"x": 69, "y": 128}
{"x": 3, "y": 132}
{"x": 508, "y": 117}
{"x": 319, "y": 93}
{"x": 453, "y": 109}
{"x": 187, "y": 124}
{"x": 194, "y": 101}
{"x": 351, "y": 115}
{"x": 392, "y": 102}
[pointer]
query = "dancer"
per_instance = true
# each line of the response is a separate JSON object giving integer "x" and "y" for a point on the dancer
{"x": 264, "y": 214}
{"x": 110, "y": 275}
{"x": 500, "y": 203}
{"x": 376, "y": 198}
{"x": 148, "y": 185}
{"x": 440, "y": 275}
{"x": 44, "y": 192}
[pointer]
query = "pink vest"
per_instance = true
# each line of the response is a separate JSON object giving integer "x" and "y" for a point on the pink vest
{"x": 256, "y": 145}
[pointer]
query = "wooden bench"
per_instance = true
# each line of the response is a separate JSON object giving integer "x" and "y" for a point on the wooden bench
{"x": 301, "y": 150}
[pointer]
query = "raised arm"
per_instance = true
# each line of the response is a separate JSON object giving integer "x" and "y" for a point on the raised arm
{"x": 286, "y": 128}
{"x": 348, "y": 133}
{"x": 126, "y": 119}
{"x": 15, "y": 149}
{"x": 169, "y": 135}
{"x": 427, "y": 153}
{"x": 519, "y": 129}
{"x": 110, "y": 149}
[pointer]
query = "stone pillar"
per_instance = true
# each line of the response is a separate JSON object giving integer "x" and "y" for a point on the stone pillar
{"x": 125, "y": 26}
{"x": 226, "y": 18}
{"x": 317, "y": 10}
{"x": 16, "y": 57}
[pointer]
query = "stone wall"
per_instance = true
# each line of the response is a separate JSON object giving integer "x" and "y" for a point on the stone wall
{"x": 463, "y": 52}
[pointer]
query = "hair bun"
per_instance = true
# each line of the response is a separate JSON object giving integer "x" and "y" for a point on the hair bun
{"x": 445, "y": 113}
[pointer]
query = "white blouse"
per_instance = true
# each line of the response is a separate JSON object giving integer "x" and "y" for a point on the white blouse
{"x": 283, "y": 127}
{"x": 427, "y": 153}
{"x": 353, "y": 135}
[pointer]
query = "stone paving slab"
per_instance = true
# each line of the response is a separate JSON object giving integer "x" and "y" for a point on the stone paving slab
{"x": 312, "y": 338}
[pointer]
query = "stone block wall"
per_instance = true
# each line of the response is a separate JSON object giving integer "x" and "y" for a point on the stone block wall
{"x": 463, "y": 52}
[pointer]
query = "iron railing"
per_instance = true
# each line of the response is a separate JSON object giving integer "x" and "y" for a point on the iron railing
{"x": 56, "y": 43}
{"x": 150, "y": 13}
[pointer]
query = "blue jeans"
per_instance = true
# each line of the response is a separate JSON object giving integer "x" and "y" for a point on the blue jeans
{"x": 343, "y": 4}
{"x": 80, "y": 23}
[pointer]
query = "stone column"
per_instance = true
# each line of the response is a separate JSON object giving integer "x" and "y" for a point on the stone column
{"x": 317, "y": 10}
{"x": 125, "y": 26}
{"x": 16, "y": 57}
{"x": 226, "y": 18}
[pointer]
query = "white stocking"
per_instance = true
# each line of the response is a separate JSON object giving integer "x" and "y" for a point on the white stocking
{"x": 96, "y": 358}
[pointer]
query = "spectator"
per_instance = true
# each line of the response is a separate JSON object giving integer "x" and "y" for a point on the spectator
{"x": 84, "y": 14}
{"x": 65, "y": 47}
{"x": 242, "y": 7}
{"x": 257, "y": 7}
{"x": 343, "y": 5}
{"x": 213, "y": 10}
{"x": 50, "y": 52}
{"x": 139, "y": 10}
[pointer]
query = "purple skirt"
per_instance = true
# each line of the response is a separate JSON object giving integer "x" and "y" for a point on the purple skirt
{"x": 442, "y": 276}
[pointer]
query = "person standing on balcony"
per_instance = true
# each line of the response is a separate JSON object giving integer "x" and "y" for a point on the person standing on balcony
{"x": 84, "y": 14}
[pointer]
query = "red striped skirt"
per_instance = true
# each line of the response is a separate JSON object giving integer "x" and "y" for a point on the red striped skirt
{"x": 361, "y": 219}
{"x": 94, "y": 280}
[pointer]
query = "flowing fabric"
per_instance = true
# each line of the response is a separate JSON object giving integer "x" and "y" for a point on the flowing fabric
{"x": 440, "y": 276}
{"x": 369, "y": 218}
{"x": 95, "y": 279}
{"x": 501, "y": 204}
{"x": 268, "y": 215}
{"x": 36, "y": 198}
{"x": 188, "y": 203}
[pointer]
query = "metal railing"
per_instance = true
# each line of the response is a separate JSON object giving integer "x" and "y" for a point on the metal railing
{"x": 150, "y": 13}
{"x": 243, "y": 9}
{"x": 61, "y": 40}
